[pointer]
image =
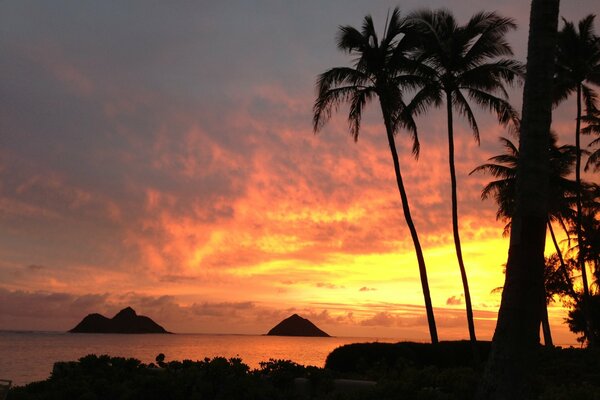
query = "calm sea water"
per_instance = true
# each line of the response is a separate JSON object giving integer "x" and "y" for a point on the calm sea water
{"x": 29, "y": 356}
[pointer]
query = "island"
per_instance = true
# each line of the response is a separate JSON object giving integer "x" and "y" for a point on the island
{"x": 126, "y": 321}
{"x": 296, "y": 326}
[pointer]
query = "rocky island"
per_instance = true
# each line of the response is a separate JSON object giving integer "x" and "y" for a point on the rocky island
{"x": 296, "y": 326}
{"x": 126, "y": 321}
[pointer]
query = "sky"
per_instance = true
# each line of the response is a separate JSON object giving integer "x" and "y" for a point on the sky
{"x": 160, "y": 155}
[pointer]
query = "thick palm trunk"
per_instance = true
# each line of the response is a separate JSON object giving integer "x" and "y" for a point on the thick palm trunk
{"x": 516, "y": 339}
{"x": 411, "y": 227}
{"x": 580, "y": 259}
{"x": 461, "y": 264}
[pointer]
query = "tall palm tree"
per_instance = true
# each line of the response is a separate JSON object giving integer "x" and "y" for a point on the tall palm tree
{"x": 375, "y": 73}
{"x": 458, "y": 64}
{"x": 512, "y": 357}
{"x": 577, "y": 68}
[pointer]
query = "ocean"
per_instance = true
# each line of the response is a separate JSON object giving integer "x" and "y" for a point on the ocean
{"x": 29, "y": 356}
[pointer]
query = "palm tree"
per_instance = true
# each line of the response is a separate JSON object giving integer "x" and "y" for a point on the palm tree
{"x": 375, "y": 73}
{"x": 561, "y": 197}
{"x": 512, "y": 357}
{"x": 458, "y": 64}
{"x": 578, "y": 66}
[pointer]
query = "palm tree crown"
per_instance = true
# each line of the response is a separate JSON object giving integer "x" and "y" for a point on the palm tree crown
{"x": 376, "y": 73}
{"x": 463, "y": 61}
{"x": 577, "y": 61}
{"x": 504, "y": 167}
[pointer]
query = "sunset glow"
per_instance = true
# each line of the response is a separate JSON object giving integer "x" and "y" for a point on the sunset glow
{"x": 163, "y": 158}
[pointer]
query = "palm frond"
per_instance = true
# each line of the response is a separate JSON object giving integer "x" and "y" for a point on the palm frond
{"x": 504, "y": 111}
{"x": 349, "y": 39}
{"x": 590, "y": 99}
{"x": 358, "y": 101}
{"x": 489, "y": 30}
{"x": 328, "y": 101}
{"x": 463, "y": 107}
{"x": 492, "y": 76}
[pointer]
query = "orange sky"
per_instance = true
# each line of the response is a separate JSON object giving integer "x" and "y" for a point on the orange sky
{"x": 162, "y": 162}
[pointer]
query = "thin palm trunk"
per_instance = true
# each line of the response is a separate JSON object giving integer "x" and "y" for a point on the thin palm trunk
{"x": 411, "y": 227}
{"x": 546, "y": 327}
{"x": 463, "y": 272}
{"x": 580, "y": 259}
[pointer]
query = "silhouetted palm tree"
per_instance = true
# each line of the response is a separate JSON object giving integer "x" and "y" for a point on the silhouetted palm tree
{"x": 375, "y": 73}
{"x": 578, "y": 66}
{"x": 561, "y": 197}
{"x": 462, "y": 64}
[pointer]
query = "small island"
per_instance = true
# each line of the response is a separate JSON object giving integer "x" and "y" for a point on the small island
{"x": 126, "y": 321}
{"x": 296, "y": 326}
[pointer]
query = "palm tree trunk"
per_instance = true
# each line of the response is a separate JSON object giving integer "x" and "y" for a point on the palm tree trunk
{"x": 516, "y": 339}
{"x": 546, "y": 327}
{"x": 580, "y": 259}
{"x": 411, "y": 226}
{"x": 463, "y": 272}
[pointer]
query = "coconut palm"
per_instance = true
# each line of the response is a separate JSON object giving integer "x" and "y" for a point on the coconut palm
{"x": 463, "y": 65}
{"x": 503, "y": 167}
{"x": 577, "y": 69}
{"x": 375, "y": 74}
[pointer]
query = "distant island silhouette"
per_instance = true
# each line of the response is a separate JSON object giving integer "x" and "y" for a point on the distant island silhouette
{"x": 296, "y": 326}
{"x": 126, "y": 321}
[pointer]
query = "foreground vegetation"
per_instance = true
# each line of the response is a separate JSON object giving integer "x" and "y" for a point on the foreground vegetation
{"x": 402, "y": 371}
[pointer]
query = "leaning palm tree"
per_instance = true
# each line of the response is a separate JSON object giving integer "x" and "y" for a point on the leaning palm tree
{"x": 375, "y": 73}
{"x": 577, "y": 68}
{"x": 458, "y": 64}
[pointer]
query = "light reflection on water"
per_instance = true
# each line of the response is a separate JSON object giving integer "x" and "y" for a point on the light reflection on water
{"x": 29, "y": 356}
